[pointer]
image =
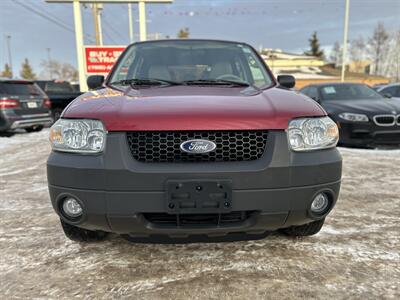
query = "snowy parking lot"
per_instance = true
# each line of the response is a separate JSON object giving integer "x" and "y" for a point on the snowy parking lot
{"x": 356, "y": 255}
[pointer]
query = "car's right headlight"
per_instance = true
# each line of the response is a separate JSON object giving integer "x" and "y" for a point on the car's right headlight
{"x": 306, "y": 134}
{"x": 78, "y": 135}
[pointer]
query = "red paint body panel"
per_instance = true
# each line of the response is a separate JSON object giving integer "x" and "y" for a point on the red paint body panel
{"x": 192, "y": 108}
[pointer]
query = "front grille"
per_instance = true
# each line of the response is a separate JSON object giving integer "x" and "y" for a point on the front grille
{"x": 164, "y": 146}
{"x": 182, "y": 220}
{"x": 385, "y": 120}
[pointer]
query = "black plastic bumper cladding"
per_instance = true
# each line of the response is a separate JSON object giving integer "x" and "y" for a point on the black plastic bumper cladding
{"x": 119, "y": 192}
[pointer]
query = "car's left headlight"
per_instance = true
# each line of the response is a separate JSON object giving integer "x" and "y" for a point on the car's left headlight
{"x": 308, "y": 134}
{"x": 354, "y": 117}
{"x": 78, "y": 135}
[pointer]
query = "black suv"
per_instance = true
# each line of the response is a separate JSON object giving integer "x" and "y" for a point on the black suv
{"x": 23, "y": 105}
{"x": 61, "y": 93}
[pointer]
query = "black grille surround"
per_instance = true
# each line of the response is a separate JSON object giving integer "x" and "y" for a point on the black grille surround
{"x": 164, "y": 146}
{"x": 187, "y": 220}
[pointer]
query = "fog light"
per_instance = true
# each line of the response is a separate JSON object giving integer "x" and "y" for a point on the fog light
{"x": 72, "y": 208}
{"x": 320, "y": 203}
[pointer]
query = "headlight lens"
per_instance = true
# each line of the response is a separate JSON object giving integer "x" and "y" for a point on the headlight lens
{"x": 75, "y": 135}
{"x": 308, "y": 134}
{"x": 354, "y": 117}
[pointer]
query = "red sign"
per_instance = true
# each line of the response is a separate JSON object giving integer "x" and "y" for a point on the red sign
{"x": 100, "y": 59}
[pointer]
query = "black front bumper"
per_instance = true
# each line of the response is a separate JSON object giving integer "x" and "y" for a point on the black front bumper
{"x": 118, "y": 193}
{"x": 368, "y": 134}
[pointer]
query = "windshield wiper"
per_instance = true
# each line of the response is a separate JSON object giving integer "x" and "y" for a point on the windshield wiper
{"x": 215, "y": 82}
{"x": 144, "y": 82}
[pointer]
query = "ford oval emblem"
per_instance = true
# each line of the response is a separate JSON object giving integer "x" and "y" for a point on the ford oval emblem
{"x": 198, "y": 146}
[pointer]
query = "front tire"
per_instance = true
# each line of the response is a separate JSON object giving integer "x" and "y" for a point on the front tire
{"x": 56, "y": 113}
{"x": 34, "y": 129}
{"x": 304, "y": 230}
{"x": 77, "y": 234}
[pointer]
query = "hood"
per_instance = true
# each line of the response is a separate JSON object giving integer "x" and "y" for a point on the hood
{"x": 192, "y": 108}
{"x": 369, "y": 107}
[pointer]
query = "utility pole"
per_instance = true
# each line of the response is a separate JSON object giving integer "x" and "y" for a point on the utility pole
{"x": 142, "y": 21}
{"x": 96, "y": 11}
{"x": 99, "y": 12}
{"x": 8, "y": 43}
{"x": 130, "y": 22}
{"x": 79, "y": 29}
{"x": 79, "y": 44}
{"x": 49, "y": 63}
{"x": 345, "y": 38}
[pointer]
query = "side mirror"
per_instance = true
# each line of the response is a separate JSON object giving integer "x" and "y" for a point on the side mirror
{"x": 95, "y": 81}
{"x": 286, "y": 81}
{"x": 387, "y": 95}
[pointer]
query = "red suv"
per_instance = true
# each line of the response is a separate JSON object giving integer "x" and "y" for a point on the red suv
{"x": 192, "y": 140}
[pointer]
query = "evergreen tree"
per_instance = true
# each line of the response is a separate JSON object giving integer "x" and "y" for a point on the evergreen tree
{"x": 315, "y": 49}
{"x": 184, "y": 33}
{"x": 7, "y": 71}
{"x": 26, "y": 71}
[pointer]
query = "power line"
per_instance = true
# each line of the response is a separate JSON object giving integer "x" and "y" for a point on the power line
{"x": 116, "y": 32}
{"x": 48, "y": 14}
{"x": 48, "y": 18}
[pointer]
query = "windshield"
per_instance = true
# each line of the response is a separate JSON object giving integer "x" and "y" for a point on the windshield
{"x": 59, "y": 87}
{"x": 197, "y": 62}
{"x": 348, "y": 92}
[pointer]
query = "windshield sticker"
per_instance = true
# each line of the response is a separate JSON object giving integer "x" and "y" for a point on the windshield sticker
{"x": 329, "y": 90}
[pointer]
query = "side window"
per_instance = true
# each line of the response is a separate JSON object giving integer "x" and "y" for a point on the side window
{"x": 392, "y": 91}
{"x": 305, "y": 91}
{"x": 313, "y": 93}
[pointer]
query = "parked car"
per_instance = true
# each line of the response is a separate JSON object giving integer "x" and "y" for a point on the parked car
{"x": 192, "y": 140}
{"x": 365, "y": 117}
{"x": 61, "y": 93}
{"x": 23, "y": 105}
{"x": 390, "y": 90}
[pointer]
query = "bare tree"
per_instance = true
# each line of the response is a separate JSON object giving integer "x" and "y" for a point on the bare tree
{"x": 58, "y": 70}
{"x": 336, "y": 54}
{"x": 391, "y": 63}
{"x": 378, "y": 46}
{"x": 357, "y": 53}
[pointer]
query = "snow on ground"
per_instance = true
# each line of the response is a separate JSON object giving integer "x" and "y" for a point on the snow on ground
{"x": 356, "y": 255}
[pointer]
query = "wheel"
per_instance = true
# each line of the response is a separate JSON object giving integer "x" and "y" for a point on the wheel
{"x": 56, "y": 113}
{"x": 34, "y": 129}
{"x": 77, "y": 234}
{"x": 304, "y": 230}
{"x": 6, "y": 134}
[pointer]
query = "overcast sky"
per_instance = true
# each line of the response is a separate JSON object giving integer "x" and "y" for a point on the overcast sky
{"x": 285, "y": 24}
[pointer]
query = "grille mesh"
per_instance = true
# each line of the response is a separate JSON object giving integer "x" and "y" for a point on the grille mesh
{"x": 385, "y": 120}
{"x": 164, "y": 146}
{"x": 181, "y": 220}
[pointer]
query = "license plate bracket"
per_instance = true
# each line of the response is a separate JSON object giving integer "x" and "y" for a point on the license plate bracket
{"x": 198, "y": 196}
